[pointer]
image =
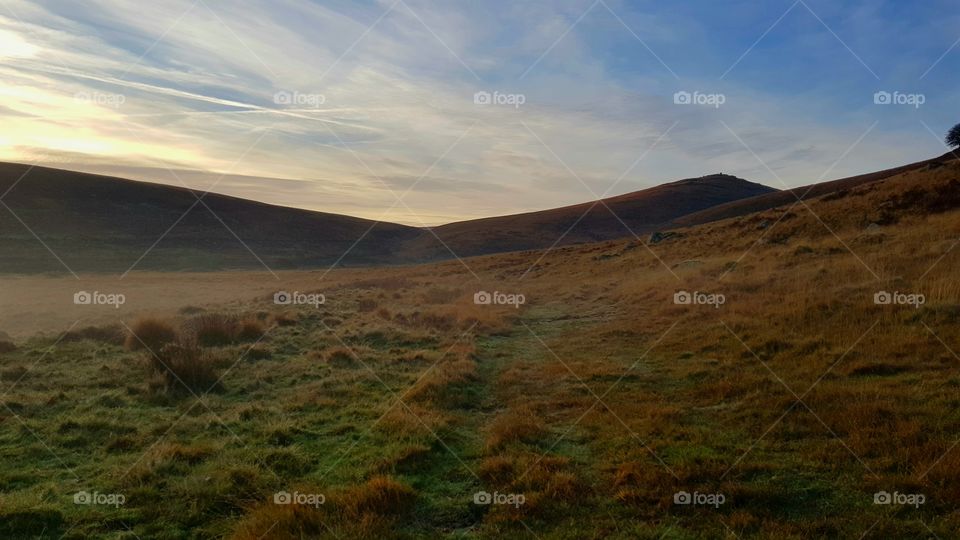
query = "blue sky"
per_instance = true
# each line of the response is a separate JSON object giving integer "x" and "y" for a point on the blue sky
{"x": 370, "y": 108}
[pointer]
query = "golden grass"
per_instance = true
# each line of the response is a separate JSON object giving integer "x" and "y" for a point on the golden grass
{"x": 519, "y": 424}
{"x": 151, "y": 333}
{"x": 184, "y": 369}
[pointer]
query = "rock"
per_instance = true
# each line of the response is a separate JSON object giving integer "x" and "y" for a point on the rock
{"x": 658, "y": 236}
{"x": 689, "y": 263}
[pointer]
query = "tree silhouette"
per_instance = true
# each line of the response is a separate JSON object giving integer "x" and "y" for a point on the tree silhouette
{"x": 953, "y": 136}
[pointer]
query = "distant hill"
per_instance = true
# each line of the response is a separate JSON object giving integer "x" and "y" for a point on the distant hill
{"x": 105, "y": 224}
{"x": 99, "y": 223}
{"x": 640, "y": 212}
{"x": 786, "y": 197}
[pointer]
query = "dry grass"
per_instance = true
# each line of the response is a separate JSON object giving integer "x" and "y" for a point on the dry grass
{"x": 151, "y": 333}
{"x": 363, "y": 511}
{"x": 520, "y": 424}
{"x": 184, "y": 369}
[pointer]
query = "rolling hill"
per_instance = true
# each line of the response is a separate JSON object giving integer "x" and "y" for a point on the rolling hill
{"x": 789, "y": 196}
{"x": 97, "y": 223}
{"x": 638, "y": 213}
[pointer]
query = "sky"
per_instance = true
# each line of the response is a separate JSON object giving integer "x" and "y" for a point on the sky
{"x": 427, "y": 112}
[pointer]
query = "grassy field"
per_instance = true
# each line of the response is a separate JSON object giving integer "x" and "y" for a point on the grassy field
{"x": 782, "y": 401}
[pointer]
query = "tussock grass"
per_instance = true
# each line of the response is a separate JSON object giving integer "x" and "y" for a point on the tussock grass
{"x": 182, "y": 369}
{"x": 515, "y": 425}
{"x": 151, "y": 333}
